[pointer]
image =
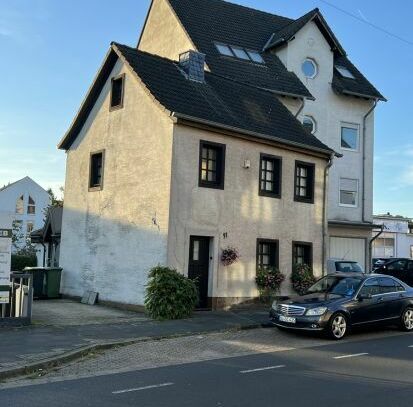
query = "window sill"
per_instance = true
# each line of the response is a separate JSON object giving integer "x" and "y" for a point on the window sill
{"x": 304, "y": 200}
{"x": 210, "y": 186}
{"x": 269, "y": 194}
{"x": 94, "y": 189}
{"x": 352, "y": 150}
{"x": 347, "y": 206}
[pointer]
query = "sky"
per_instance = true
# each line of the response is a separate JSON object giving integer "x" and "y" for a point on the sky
{"x": 51, "y": 50}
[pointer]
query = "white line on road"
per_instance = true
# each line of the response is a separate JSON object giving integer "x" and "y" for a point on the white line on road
{"x": 350, "y": 356}
{"x": 411, "y": 346}
{"x": 262, "y": 368}
{"x": 154, "y": 386}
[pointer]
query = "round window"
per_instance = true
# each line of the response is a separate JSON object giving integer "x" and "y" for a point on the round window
{"x": 309, "y": 124}
{"x": 309, "y": 68}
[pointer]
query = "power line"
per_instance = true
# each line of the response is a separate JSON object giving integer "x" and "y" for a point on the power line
{"x": 377, "y": 27}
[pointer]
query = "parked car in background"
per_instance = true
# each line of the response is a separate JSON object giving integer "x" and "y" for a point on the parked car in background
{"x": 399, "y": 268}
{"x": 344, "y": 266}
{"x": 377, "y": 262}
{"x": 340, "y": 301}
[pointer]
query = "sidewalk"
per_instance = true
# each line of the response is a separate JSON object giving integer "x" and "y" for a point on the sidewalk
{"x": 27, "y": 349}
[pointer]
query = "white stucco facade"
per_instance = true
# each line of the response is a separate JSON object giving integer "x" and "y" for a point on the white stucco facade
{"x": 330, "y": 112}
{"x": 25, "y": 202}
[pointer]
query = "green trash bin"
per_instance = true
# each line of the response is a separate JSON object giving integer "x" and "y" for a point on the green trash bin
{"x": 38, "y": 280}
{"x": 52, "y": 282}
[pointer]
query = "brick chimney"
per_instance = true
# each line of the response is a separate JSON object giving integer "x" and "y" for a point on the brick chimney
{"x": 192, "y": 63}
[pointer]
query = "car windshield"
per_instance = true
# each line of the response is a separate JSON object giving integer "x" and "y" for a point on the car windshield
{"x": 339, "y": 285}
{"x": 348, "y": 267}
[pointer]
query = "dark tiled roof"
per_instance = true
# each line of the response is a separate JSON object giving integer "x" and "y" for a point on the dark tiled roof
{"x": 287, "y": 32}
{"x": 358, "y": 86}
{"x": 219, "y": 100}
{"x": 211, "y": 21}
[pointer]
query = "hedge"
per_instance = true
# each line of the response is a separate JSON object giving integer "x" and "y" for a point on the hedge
{"x": 19, "y": 262}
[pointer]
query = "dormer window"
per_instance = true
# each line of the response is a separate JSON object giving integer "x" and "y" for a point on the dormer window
{"x": 344, "y": 72}
{"x": 240, "y": 53}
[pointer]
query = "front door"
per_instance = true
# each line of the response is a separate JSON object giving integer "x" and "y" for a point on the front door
{"x": 199, "y": 267}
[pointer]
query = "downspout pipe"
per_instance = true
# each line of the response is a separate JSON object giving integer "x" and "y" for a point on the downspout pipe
{"x": 363, "y": 209}
{"x": 325, "y": 203}
{"x": 300, "y": 108}
{"x": 372, "y": 241}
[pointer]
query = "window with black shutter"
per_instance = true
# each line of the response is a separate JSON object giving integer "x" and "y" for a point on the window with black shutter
{"x": 116, "y": 94}
{"x": 304, "y": 182}
{"x": 96, "y": 170}
{"x": 267, "y": 253}
{"x": 270, "y": 176}
{"x": 211, "y": 165}
{"x": 302, "y": 254}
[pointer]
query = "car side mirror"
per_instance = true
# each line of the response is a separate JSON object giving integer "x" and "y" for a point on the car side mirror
{"x": 363, "y": 297}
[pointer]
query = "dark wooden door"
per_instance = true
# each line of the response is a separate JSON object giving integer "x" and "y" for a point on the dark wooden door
{"x": 199, "y": 267}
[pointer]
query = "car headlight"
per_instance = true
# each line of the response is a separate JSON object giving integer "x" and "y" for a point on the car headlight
{"x": 274, "y": 305}
{"x": 316, "y": 311}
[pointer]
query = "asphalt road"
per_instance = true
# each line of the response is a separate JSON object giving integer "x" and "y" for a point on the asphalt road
{"x": 370, "y": 372}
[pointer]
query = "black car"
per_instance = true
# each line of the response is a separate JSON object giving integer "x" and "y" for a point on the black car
{"x": 339, "y": 301}
{"x": 399, "y": 268}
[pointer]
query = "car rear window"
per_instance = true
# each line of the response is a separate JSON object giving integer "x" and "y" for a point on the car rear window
{"x": 348, "y": 267}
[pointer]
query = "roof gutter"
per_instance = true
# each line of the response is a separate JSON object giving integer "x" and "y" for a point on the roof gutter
{"x": 251, "y": 133}
{"x": 361, "y": 95}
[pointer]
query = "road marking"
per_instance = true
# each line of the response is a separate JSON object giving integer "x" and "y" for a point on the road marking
{"x": 411, "y": 346}
{"x": 154, "y": 386}
{"x": 262, "y": 368}
{"x": 350, "y": 356}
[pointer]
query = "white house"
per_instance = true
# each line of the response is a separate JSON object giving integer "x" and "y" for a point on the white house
{"x": 25, "y": 201}
{"x": 193, "y": 141}
{"x": 396, "y": 239}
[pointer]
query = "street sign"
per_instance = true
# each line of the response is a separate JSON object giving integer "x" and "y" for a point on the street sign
{"x": 5, "y": 264}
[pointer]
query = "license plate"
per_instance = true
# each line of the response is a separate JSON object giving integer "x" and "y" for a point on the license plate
{"x": 290, "y": 320}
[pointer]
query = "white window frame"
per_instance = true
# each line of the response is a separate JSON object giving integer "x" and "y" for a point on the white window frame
{"x": 357, "y": 193}
{"x": 354, "y": 126}
{"x": 312, "y": 60}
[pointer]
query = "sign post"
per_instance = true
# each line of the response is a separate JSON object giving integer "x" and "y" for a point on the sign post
{"x": 5, "y": 264}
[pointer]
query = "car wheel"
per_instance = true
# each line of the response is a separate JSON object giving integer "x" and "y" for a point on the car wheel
{"x": 407, "y": 320}
{"x": 338, "y": 326}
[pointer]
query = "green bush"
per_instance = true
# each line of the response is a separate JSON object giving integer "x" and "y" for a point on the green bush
{"x": 169, "y": 294}
{"x": 19, "y": 262}
{"x": 302, "y": 278}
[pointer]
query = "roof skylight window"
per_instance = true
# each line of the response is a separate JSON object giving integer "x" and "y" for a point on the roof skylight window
{"x": 344, "y": 72}
{"x": 240, "y": 53}
{"x": 224, "y": 50}
{"x": 255, "y": 56}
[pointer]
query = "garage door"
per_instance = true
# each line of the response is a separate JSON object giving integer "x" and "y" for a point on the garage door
{"x": 348, "y": 249}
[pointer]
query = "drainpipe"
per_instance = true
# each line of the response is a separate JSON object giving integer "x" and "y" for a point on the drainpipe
{"x": 363, "y": 216}
{"x": 371, "y": 243}
{"x": 301, "y": 108}
{"x": 325, "y": 202}
{"x": 44, "y": 253}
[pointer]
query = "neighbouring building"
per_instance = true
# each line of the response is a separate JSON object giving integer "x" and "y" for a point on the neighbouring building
{"x": 26, "y": 202}
{"x": 396, "y": 237}
{"x": 48, "y": 237}
{"x": 207, "y": 136}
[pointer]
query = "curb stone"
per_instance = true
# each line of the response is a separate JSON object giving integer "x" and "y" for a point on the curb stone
{"x": 83, "y": 351}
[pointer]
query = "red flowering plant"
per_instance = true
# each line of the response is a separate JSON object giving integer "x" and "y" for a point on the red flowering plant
{"x": 229, "y": 256}
{"x": 269, "y": 280}
{"x": 302, "y": 278}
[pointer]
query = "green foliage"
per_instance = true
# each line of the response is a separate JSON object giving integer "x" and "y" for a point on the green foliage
{"x": 169, "y": 294}
{"x": 269, "y": 280}
{"x": 19, "y": 262}
{"x": 302, "y": 278}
